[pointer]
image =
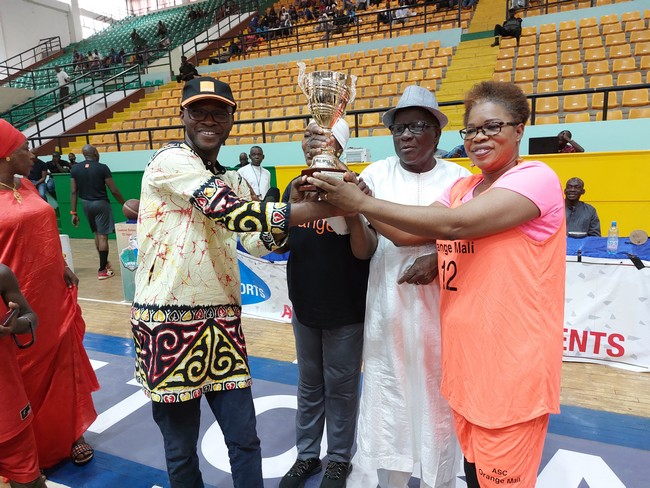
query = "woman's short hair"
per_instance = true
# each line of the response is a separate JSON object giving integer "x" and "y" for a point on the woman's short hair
{"x": 507, "y": 95}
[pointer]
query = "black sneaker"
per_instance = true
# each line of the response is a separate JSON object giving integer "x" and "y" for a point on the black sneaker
{"x": 336, "y": 475}
{"x": 300, "y": 471}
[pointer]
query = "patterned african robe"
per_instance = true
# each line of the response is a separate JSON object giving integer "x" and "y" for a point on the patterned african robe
{"x": 186, "y": 314}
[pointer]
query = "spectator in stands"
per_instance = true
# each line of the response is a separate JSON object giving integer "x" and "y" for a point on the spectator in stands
{"x": 234, "y": 48}
{"x": 510, "y": 28}
{"x": 186, "y": 70}
{"x": 164, "y": 43}
{"x": 329, "y": 340}
{"x": 567, "y": 144}
{"x": 243, "y": 160}
{"x": 62, "y": 79}
{"x": 258, "y": 178}
{"x": 402, "y": 14}
{"x": 37, "y": 175}
{"x": 457, "y": 152}
{"x": 403, "y": 418}
{"x": 307, "y": 13}
{"x": 469, "y": 4}
{"x": 362, "y": 4}
{"x": 324, "y": 25}
{"x": 55, "y": 166}
{"x": 384, "y": 16}
{"x": 120, "y": 57}
{"x": 136, "y": 39}
{"x": 162, "y": 29}
{"x": 88, "y": 182}
{"x": 581, "y": 218}
{"x": 192, "y": 14}
{"x": 72, "y": 159}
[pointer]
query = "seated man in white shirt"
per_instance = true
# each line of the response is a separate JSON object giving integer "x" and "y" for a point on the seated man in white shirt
{"x": 258, "y": 178}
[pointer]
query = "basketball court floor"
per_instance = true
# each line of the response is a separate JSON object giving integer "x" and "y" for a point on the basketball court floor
{"x": 600, "y": 440}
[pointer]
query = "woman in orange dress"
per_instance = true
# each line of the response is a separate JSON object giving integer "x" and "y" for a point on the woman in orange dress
{"x": 58, "y": 376}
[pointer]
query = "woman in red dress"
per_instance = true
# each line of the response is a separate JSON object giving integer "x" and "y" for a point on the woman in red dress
{"x": 58, "y": 376}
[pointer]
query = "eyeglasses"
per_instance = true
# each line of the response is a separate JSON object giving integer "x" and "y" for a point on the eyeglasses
{"x": 199, "y": 115}
{"x": 489, "y": 129}
{"x": 416, "y": 127}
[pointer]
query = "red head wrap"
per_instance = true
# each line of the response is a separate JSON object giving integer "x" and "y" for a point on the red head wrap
{"x": 10, "y": 138}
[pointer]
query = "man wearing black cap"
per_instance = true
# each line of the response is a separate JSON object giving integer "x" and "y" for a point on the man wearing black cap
{"x": 187, "y": 306}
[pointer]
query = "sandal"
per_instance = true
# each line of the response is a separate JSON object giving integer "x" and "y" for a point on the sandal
{"x": 82, "y": 453}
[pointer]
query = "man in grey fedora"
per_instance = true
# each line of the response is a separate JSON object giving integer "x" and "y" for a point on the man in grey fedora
{"x": 403, "y": 420}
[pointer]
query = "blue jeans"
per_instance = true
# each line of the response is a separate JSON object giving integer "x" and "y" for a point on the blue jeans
{"x": 179, "y": 425}
{"x": 41, "y": 187}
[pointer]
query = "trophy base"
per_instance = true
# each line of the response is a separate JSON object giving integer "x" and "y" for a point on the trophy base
{"x": 335, "y": 172}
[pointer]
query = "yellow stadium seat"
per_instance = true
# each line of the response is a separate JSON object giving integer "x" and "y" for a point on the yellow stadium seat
{"x": 525, "y": 62}
{"x": 615, "y": 39}
{"x": 382, "y": 102}
{"x": 506, "y": 53}
{"x": 570, "y": 57}
{"x": 503, "y": 65}
{"x": 547, "y": 119}
{"x": 640, "y": 36}
{"x": 570, "y": 45}
{"x": 361, "y": 104}
{"x": 588, "y": 22}
{"x": 620, "y": 51}
{"x": 627, "y": 16}
{"x": 635, "y": 25}
{"x": 571, "y": 70}
{"x": 639, "y": 113}
{"x": 611, "y": 29}
{"x": 547, "y": 28}
{"x": 526, "y": 87}
{"x": 547, "y": 48}
{"x": 550, "y": 37}
{"x": 624, "y": 64}
{"x": 595, "y": 54}
{"x": 370, "y": 120}
{"x": 611, "y": 115}
{"x": 570, "y": 34}
{"x": 548, "y": 73}
{"x": 526, "y": 51}
{"x": 547, "y": 105}
{"x": 592, "y": 42}
{"x": 597, "y": 67}
{"x": 630, "y": 78}
{"x": 524, "y": 75}
{"x": 636, "y": 98}
{"x": 503, "y": 76}
{"x": 609, "y": 19}
{"x": 575, "y": 103}
{"x": 644, "y": 64}
{"x": 567, "y": 25}
{"x": 642, "y": 48}
{"x": 547, "y": 86}
{"x": 598, "y": 100}
{"x": 547, "y": 60}
{"x": 588, "y": 32}
{"x": 598, "y": 81}
{"x": 573, "y": 84}
{"x": 578, "y": 117}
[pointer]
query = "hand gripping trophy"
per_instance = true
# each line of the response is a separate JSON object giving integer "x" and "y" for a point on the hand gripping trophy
{"x": 328, "y": 94}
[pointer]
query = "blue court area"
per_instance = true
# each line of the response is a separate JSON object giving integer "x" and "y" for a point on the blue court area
{"x": 584, "y": 448}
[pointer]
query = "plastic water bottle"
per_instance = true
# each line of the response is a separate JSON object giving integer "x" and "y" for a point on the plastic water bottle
{"x": 612, "y": 239}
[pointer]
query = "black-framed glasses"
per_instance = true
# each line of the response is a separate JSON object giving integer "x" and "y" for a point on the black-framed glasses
{"x": 416, "y": 127}
{"x": 199, "y": 115}
{"x": 489, "y": 129}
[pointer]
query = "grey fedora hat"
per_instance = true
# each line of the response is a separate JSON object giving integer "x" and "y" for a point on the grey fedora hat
{"x": 416, "y": 96}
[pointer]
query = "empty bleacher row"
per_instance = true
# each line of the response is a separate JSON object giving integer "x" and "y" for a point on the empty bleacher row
{"x": 539, "y": 7}
{"x": 591, "y": 53}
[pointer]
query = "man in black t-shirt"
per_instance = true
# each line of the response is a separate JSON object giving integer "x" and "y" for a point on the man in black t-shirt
{"x": 54, "y": 166}
{"x": 89, "y": 180}
{"x": 38, "y": 175}
{"x": 510, "y": 28}
{"x": 327, "y": 277}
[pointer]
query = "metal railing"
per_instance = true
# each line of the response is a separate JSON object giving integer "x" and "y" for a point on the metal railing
{"x": 81, "y": 90}
{"x": 121, "y": 135}
{"x": 18, "y": 63}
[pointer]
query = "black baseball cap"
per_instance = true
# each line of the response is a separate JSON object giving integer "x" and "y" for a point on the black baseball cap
{"x": 207, "y": 88}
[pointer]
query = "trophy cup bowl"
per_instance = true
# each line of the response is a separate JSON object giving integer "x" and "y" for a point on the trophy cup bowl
{"x": 328, "y": 94}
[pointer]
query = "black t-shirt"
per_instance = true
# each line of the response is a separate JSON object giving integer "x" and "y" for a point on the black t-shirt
{"x": 90, "y": 177}
{"x": 37, "y": 170}
{"x": 327, "y": 284}
{"x": 52, "y": 168}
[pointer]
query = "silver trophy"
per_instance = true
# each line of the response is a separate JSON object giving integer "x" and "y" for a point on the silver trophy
{"x": 328, "y": 94}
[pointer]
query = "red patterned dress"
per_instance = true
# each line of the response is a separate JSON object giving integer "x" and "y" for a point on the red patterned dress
{"x": 57, "y": 373}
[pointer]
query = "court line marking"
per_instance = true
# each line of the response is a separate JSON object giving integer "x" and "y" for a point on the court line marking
{"x": 123, "y": 302}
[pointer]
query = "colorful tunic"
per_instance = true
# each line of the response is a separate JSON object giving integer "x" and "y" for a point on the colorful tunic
{"x": 57, "y": 374}
{"x": 186, "y": 315}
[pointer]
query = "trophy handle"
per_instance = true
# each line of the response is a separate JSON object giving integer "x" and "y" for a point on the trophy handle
{"x": 353, "y": 87}
{"x": 301, "y": 77}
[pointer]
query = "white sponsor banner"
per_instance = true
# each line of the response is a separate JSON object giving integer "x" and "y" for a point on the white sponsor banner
{"x": 607, "y": 315}
{"x": 264, "y": 288}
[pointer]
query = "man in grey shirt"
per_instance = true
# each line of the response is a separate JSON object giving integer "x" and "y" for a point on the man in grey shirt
{"x": 581, "y": 218}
